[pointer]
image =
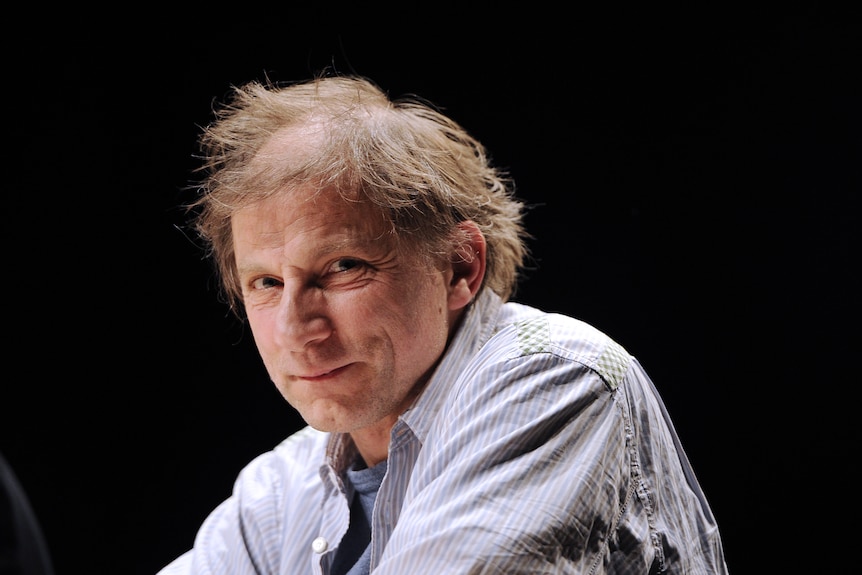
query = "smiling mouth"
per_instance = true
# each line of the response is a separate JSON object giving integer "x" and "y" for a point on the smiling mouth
{"x": 324, "y": 375}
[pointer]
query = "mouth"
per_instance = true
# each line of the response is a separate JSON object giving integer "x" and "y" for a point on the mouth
{"x": 324, "y": 375}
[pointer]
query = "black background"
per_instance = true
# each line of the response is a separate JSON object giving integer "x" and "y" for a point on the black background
{"x": 695, "y": 177}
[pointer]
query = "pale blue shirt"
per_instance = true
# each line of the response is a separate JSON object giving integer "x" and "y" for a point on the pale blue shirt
{"x": 538, "y": 446}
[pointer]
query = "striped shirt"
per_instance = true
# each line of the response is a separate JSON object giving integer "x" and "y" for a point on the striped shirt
{"x": 539, "y": 446}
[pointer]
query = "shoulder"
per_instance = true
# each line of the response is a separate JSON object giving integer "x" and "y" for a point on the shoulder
{"x": 303, "y": 445}
{"x": 527, "y": 332}
{"x": 293, "y": 463}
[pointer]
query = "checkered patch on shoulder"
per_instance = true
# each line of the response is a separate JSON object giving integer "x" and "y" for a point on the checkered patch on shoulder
{"x": 613, "y": 364}
{"x": 534, "y": 335}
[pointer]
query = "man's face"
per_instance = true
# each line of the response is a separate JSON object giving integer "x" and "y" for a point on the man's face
{"x": 348, "y": 328}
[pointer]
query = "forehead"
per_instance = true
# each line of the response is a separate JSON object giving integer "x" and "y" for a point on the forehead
{"x": 306, "y": 213}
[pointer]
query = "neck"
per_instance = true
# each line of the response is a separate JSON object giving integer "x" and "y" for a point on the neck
{"x": 373, "y": 442}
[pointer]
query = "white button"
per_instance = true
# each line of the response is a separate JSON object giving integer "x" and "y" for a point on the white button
{"x": 319, "y": 545}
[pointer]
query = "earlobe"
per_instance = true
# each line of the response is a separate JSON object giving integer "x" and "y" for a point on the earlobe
{"x": 468, "y": 265}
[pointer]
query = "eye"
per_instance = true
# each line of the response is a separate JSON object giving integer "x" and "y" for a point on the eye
{"x": 265, "y": 283}
{"x": 346, "y": 265}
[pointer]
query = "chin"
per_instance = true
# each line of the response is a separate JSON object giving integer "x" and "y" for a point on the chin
{"x": 326, "y": 420}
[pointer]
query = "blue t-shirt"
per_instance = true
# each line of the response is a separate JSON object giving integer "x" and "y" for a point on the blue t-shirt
{"x": 354, "y": 553}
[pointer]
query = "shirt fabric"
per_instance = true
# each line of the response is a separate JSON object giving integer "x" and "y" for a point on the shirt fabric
{"x": 539, "y": 446}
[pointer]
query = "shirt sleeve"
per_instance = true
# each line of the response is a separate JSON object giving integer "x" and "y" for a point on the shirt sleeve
{"x": 237, "y": 535}
{"x": 553, "y": 458}
{"x": 527, "y": 473}
{"x": 250, "y": 532}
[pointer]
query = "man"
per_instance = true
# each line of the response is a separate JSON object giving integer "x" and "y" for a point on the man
{"x": 373, "y": 250}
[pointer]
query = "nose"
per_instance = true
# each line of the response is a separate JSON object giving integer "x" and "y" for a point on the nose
{"x": 302, "y": 318}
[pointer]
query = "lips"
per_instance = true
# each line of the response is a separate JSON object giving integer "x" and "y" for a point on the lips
{"x": 323, "y": 375}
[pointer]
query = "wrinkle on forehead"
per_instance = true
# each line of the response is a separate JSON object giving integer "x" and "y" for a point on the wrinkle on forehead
{"x": 313, "y": 222}
{"x": 321, "y": 207}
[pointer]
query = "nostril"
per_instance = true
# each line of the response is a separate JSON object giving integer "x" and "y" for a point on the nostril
{"x": 300, "y": 332}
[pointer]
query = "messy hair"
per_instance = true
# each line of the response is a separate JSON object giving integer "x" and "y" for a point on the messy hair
{"x": 424, "y": 171}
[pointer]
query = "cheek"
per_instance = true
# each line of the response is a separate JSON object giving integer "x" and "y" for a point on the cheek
{"x": 424, "y": 325}
{"x": 261, "y": 326}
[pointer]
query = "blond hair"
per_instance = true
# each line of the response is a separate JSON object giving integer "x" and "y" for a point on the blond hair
{"x": 422, "y": 169}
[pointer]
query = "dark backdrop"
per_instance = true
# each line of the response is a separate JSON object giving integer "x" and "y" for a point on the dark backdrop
{"x": 695, "y": 177}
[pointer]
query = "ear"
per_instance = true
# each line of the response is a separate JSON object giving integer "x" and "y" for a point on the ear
{"x": 468, "y": 265}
